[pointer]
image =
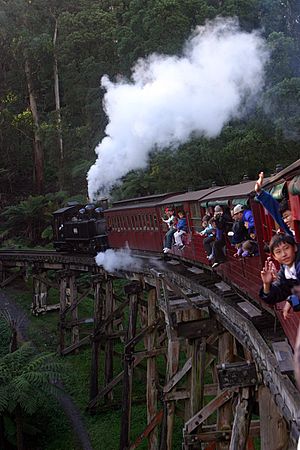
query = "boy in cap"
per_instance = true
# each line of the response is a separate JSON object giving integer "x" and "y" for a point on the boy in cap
{"x": 245, "y": 216}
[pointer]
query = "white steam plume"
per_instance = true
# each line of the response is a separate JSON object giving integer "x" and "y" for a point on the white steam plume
{"x": 171, "y": 98}
{"x": 112, "y": 260}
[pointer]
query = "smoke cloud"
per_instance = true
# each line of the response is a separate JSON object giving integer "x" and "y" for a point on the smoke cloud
{"x": 112, "y": 260}
{"x": 171, "y": 98}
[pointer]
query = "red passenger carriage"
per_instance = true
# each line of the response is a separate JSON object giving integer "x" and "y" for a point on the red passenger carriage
{"x": 138, "y": 224}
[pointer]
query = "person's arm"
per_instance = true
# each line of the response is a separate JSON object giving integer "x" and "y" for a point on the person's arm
{"x": 270, "y": 204}
{"x": 273, "y": 292}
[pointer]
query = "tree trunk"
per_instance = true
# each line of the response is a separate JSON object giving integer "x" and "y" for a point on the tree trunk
{"x": 37, "y": 143}
{"x": 18, "y": 416}
{"x": 57, "y": 106}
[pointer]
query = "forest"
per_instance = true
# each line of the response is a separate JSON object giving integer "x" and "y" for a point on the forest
{"x": 53, "y": 55}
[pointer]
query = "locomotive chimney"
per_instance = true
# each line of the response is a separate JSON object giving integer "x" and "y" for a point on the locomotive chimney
{"x": 244, "y": 179}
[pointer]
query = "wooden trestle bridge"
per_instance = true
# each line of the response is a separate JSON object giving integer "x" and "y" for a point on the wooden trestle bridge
{"x": 174, "y": 310}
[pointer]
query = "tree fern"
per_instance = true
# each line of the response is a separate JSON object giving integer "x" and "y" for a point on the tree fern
{"x": 26, "y": 378}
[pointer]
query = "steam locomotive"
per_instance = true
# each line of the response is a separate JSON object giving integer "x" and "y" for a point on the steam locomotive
{"x": 79, "y": 228}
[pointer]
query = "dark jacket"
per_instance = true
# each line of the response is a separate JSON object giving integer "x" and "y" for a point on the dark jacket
{"x": 281, "y": 289}
{"x": 221, "y": 223}
{"x": 240, "y": 232}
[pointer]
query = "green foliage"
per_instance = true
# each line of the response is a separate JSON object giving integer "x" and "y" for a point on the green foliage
{"x": 107, "y": 37}
{"x": 31, "y": 217}
{"x": 25, "y": 378}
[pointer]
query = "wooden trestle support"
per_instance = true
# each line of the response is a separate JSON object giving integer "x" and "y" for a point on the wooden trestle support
{"x": 218, "y": 379}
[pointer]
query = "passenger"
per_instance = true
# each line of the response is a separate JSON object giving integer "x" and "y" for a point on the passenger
{"x": 249, "y": 248}
{"x": 280, "y": 212}
{"x": 280, "y": 286}
{"x": 239, "y": 230}
{"x": 181, "y": 229}
{"x": 205, "y": 221}
{"x": 244, "y": 215}
{"x": 208, "y": 229}
{"x": 219, "y": 243}
{"x": 171, "y": 222}
{"x": 208, "y": 242}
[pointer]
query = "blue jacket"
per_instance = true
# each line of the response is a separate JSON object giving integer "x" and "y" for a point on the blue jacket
{"x": 182, "y": 224}
{"x": 272, "y": 206}
{"x": 209, "y": 231}
{"x": 248, "y": 217}
{"x": 281, "y": 289}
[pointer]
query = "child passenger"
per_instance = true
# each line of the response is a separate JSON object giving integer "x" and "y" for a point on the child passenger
{"x": 286, "y": 252}
{"x": 171, "y": 222}
{"x": 181, "y": 229}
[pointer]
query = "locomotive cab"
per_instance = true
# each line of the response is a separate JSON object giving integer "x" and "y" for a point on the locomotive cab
{"x": 80, "y": 229}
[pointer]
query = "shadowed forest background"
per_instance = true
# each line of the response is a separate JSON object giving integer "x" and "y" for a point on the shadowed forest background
{"x": 53, "y": 55}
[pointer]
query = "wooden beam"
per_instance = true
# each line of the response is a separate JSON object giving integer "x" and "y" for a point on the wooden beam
{"x": 273, "y": 428}
{"x": 197, "y": 328}
{"x": 197, "y": 374}
{"x": 63, "y": 304}
{"x": 209, "y": 409}
{"x": 12, "y": 277}
{"x": 103, "y": 323}
{"x": 128, "y": 374}
{"x": 71, "y": 348}
{"x": 108, "y": 364}
{"x": 179, "y": 292}
{"x": 210, "y": 434}
{"x": 242, "y": 419}
{"x": 73, "y": 301}
{"x": 226, "y": 345}
{"x": 153, "y": 417}
{"x": 112, "y": 384}
{"x": 98, "y": 312}
{"x": 178, "y": 376}
{"x": 147, "y": 431}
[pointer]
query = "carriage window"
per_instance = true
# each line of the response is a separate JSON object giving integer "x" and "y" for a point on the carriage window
{"x": 155, "y": 222}
{"x": 125, "y": 223}
{"x": 148, "y": 223}
{"x": 196, "y": 220}
{"x": 151, "y": 222}
{"x": 143, "y": 222}
{"x": 139, "y": 222}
